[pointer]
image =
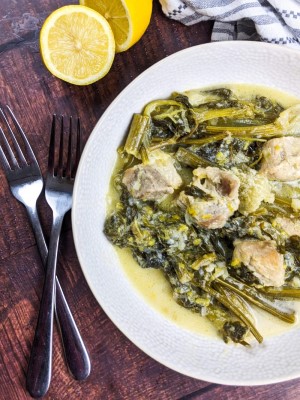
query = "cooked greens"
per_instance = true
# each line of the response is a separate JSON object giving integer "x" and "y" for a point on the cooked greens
{"x": 205, "y": 196}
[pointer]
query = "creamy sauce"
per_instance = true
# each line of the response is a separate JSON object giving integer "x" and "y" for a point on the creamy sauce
{"x": 155, "y": 289}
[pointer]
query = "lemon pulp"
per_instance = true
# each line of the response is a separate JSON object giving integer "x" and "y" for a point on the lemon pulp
{"x": 77, "y": 44}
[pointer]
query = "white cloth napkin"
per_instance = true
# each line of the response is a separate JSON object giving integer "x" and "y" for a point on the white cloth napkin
{"x": 272, "y": 21}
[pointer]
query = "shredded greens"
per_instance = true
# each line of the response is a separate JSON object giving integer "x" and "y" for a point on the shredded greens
{"x": 200, "y": 200}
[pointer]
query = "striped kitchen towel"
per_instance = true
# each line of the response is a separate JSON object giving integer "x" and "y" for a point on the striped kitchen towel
{"x": 272, "y": 21}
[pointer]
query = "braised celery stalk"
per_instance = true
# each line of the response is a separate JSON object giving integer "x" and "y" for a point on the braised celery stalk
{"x": 187, "y": 157}
{"x": 228, "y": 326}
{"x": 205, "y": 140}
{"x": 202, "y": 115}
{"x": 159, "y": 143}
{"x": 255, "y": 297}
{"x": 217, "y": 138}
{"x": 138, "y": 135}
{"x": 287, "y": 124}
{"x": 242, "y": 307}
{"x": 262, "y": 131}
{"x": 281, "y": 293}
{"x": 156, "y": 104}
{"x": 237, "y": 300}
{"x": 236, "y": 309}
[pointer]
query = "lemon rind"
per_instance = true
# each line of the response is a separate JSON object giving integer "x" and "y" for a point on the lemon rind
{"x": 133, "y": 34}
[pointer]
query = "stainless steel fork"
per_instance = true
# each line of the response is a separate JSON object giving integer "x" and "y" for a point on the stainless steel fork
{"x": 26, "y": 183}
{"x": 58, "y": 192}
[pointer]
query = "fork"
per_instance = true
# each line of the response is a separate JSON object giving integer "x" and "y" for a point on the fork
{"x": 58, "y": 193}
{"x": 26, "y": 183}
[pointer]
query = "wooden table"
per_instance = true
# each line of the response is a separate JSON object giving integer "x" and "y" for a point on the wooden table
{"x": 119, "y": 369}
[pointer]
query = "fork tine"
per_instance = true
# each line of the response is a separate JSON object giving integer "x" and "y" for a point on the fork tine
{"x": 68, "y": 171}
{"x": 15, "y": 142}
{"x": 4, "y": 161}
{"x": 8, "y": 149}
{"x": 78, "y": 148}
{"x": 61, "y": 147}
{"x": 29, "y": 150}
{"x": 52, "y": 147}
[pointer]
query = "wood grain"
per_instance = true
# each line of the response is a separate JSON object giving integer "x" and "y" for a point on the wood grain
{"x": 119, "y": 369}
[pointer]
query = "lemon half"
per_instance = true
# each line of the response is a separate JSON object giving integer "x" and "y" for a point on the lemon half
{"x": 128, "y": 19}
{"x": 77, "y": 44}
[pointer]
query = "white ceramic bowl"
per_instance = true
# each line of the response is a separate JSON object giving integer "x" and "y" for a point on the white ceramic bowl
{"x": 278, "y": 358}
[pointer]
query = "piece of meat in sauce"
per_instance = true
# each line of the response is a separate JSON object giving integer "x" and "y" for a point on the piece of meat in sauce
{"x": 262, "y": 258}
{"x": 281, "y": 159}
{"x": 155, "y": 180}
{"x": 221, "y": 200}
{"x": 290, "y": 226}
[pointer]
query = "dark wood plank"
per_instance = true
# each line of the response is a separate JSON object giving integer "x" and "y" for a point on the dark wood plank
{"x": 279, "y": 391}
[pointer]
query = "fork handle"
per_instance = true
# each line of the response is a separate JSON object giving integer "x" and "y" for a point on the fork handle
{"x": 40, "y": 363}
{"x": 75, "y": 351}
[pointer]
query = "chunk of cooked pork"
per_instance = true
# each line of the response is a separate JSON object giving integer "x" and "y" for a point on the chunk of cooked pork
{"x": 262, "y": 258}
{"x": 281, "y": 159}
{"x": 210, "y": 214}
{"x": 221, "y": 200}
{"x": 155, "y": 180}
{"x": 290, "y": 226}
{"x": 216, "y": 182}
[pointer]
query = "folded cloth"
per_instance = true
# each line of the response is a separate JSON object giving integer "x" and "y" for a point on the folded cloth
{"x": 272, "y": 21}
